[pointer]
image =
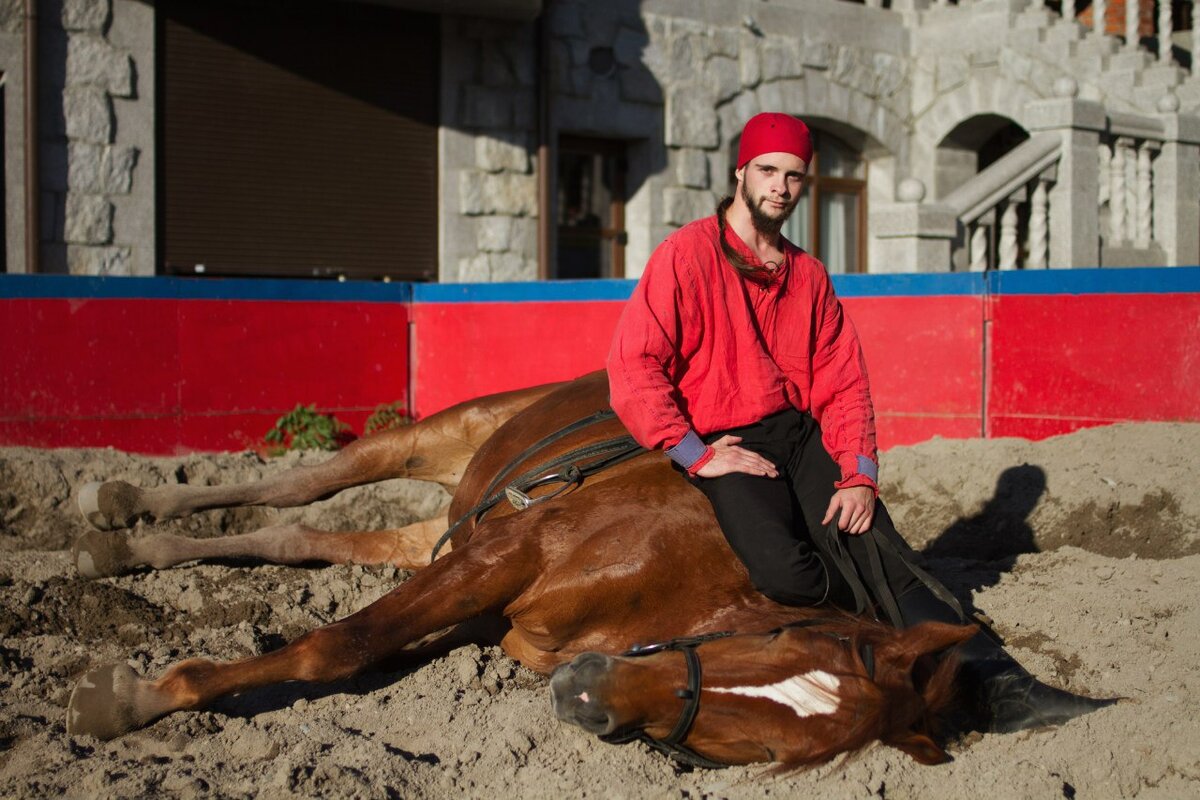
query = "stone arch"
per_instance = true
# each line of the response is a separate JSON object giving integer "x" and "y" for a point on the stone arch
{"x": 862, "y": 121}
{"x": 982, "y": 95}
{"x": 971, "y": 147}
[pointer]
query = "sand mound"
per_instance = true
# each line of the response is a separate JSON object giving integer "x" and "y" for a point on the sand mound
{"x": 1083, "y": 548}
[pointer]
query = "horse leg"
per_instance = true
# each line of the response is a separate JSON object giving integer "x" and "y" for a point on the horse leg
{"x": 101, "y": 555}
{"x": 436, "y": 449}
{"x": 483, "y": 577}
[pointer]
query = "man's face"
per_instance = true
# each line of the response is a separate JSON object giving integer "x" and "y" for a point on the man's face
{"x": 770, "y": 188}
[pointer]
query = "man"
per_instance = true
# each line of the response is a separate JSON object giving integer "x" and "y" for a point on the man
{"x": 735, "y": 357}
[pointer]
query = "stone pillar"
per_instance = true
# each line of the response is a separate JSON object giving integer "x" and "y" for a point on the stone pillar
{"x": 1099, "y": 17}
{"x": 1164, "y": 31}
{"x": 1039, "y": 207}
{"x": 1177, "y": 191}
{"x": 1006, "y": 250}
{"x": 1074, "y": 210}
{"x": 86, "y": 170}
{"x": 911, "y": 236}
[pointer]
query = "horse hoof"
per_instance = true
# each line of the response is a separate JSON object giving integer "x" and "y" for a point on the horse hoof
{"x": 102, "y": 703}
{"x": 102, "y": 555}
{"x": 108, "y": 506}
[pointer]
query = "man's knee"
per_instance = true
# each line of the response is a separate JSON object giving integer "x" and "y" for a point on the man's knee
{"x": 792, "y": 583}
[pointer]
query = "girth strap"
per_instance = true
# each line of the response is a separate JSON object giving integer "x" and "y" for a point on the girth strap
{"x": 595, "y": 457}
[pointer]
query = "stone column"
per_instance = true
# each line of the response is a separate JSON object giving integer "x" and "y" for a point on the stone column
{"x": 1099, "y": 17}
{"x": 1177, "y": 191}
{"x": 1074, "y": 225}
{"x": 977, "y": 247}
{"x": 1132, "y": 14}
{"x": 911, "y": 236}
{"x": 1039, "y": 207}
{"x": 1118, "y": 209}
{"x": 1164, "y": 31}
{"x": 1006, "y": 250}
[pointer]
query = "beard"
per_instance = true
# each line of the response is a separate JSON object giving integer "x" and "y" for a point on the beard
{"x": 764, "y": 221}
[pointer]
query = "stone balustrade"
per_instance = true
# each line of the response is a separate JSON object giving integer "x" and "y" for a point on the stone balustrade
{"x": 1005, "y": 200}
{"x": 1025, "y": 210}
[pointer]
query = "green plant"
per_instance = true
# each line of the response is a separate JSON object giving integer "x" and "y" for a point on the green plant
{"x": 305, "y": 428}
{"x": 385, "y": 417}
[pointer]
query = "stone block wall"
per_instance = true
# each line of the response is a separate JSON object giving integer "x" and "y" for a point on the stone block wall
{"x": 672, "y": 79}
{"x": 488, "y": 213}
{"x": 89, "y": 170}
{"x": 12, "y": 47}
{"x": 675, "y": 83}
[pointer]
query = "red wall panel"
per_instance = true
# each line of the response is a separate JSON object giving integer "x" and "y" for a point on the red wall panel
{"x": 925, "y": 359}
{"x": 184, "y": 365}
{"x": 1063, "y": 362}
{"x": 464, "y": 350}
{"x": 88, "y": 357}
{"x": 163, "y": 375}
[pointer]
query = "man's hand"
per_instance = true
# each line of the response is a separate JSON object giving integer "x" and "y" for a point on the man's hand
{"x": 728, "y": 457}
{"x": 856, "y": 506}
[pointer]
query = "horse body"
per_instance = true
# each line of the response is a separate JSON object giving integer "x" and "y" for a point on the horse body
{"x": 633, "y": 556}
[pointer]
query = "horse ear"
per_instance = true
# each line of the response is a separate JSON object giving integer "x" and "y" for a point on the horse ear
{"x": 928, "y": 637}
{"x": 922, "y": 749}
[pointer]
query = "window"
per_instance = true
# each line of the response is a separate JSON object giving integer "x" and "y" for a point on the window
{"x": 590, "y": 209}
{"x": 297, "y": 139}
{"x": 830, "y": 220}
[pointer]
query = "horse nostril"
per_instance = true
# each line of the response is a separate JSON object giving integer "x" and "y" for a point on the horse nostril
{"x": 573, "y": 693}
{"x": 588, "y": 666}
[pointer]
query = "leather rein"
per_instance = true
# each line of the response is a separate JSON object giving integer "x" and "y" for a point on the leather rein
{"x": 672, "y": 744}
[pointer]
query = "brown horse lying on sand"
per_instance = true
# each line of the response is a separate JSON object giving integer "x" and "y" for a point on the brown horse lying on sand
{"x": 632, "y": 554}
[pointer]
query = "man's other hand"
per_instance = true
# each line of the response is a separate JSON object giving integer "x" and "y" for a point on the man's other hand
{"x": 728, "y": 457}
{"x": 854, "y": 509}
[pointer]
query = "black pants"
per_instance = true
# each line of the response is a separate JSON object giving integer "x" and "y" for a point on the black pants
{"x": 767, "y": 521}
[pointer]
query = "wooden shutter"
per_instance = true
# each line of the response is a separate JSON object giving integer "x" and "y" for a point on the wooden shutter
{"x": 297, "y": 139}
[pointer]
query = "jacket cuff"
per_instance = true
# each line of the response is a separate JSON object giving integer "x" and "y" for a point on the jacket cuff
{"x": 858, "y": 470}
{"x": 691, "y": 448}
{"x": 700, "y": 462}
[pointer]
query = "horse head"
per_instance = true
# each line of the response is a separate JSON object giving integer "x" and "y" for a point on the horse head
{"x": 795, "y": 696}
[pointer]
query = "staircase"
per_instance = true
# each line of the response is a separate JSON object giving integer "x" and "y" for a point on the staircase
{"x": 1124, "y": 79}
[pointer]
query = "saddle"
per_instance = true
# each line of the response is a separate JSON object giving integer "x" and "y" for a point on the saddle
{"x": 570, "y": 469}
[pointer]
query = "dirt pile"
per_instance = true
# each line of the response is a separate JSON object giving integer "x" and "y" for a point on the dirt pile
{"x": 1084, "y": 549}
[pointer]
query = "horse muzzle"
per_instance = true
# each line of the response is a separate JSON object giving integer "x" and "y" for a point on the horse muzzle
{"x": 575, "y": 693}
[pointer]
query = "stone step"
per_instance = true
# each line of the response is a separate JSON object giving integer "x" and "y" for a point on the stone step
{"x": 1086, "y": 66}
{"x": 1161, "y": 76}
{"x": 1033, "y": 19}
{"x": 1115, "y": 80}
{"x": 1029, "y": 39}
{"x": 1129, "y": 59}
{"x": 1063, "y": 32}
{"x": 1095, "y": 45}
{"x": 1189, "y": 96}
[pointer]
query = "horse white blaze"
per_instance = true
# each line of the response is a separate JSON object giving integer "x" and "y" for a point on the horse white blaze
{"x": 809, "y": 694}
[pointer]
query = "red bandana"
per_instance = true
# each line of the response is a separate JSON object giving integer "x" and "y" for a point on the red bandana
{"x": 774, "y": 133}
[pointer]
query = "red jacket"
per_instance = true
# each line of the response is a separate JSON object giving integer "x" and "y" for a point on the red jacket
{"x": 701, "y": 349}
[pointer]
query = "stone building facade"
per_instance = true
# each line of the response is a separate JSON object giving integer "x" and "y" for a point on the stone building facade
{"x": 987, "y": 134}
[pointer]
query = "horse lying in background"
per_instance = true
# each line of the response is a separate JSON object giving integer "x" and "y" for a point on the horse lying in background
{"x": 631, "y": 554}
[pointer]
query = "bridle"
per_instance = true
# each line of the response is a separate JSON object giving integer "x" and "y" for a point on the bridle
{"x": 672, "y": 744}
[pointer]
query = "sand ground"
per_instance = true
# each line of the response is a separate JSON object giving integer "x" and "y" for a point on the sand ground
{"x": 1084, "y": 549}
